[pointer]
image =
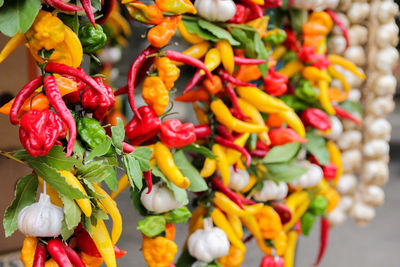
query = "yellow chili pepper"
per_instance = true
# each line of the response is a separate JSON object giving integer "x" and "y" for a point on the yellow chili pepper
{"x": 11, "y": 45}
{"x": 220, "y": 221}
{"x": 295, "y": 199}
{"x": 197, "y": 215}
{"x": 83, "y": 203}
{"x": 291, "y": 249}
{"x": 300, "y": 210}
{"x": 260, "y": 25}
{"x": 158, "y": 251}
{"x": 212, "y": 60}
{"x": 209, "y": 167}
{"x": 333, "y": 198}
{"x": 167, "y": 71}
{"x": 236, "y": 224}
{"x": 252, "y": 181}
{"x": 90, "y": 261}
{"x": 200, "y": 114}
{"x": 233, "y": 155}
{"x": 197, "y": 51}
{"x": 123, "y": 184}
{"x": 28, "y": 251}
{"x": 269, "y": 222}
{"x": 53, "y": 263}
{"x": 322, "y": 18}
{"x": 346, "y": 64}
{"x": 314, "y": 74}
{"x": 222, "y": 163}
{"x": 108, "y": 205}
{"x": 261, "y": 100}
{"x": 167, "y": 165}
{"x": 234, "y": 258}
{"x": 251, "y": 224}
{"x": 336, "y": 158}
{"x": 323, "y": 87}
{"x": 228, "y": 206}
{"x": 54, "y": 197}
{"x": 224, "y": 116}
{"x": 293, "y": 120}
{"x": 280, "y": 242}
{"x": 292, "y": 68}
{"x": 337, "y": 75}
{"x": 177, "y": 7}
{"x": 278, "y": 52}
{"x": 258, "y": 2}
{"x": 103, "y": 243}
{"x": 256, "y": 118}
{"x": 226, "y": 51}
{"x": 155, "y": 94}
{"x": 189, "y": 37}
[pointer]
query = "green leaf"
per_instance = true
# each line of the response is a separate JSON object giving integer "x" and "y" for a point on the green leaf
{"x": 200, "y": 149}
{"x": 179, "y": 193}
{"x": 111, "y": 179}
{"x": 96, "y": 4}
{"x": 197, "y": 183}
{"x": 217, "y": 31}
{"x": 65, "y": 232}
{"x": 99, "y": 150}
{"x": 87, "y": 224}
{"x": 1, "y": 3}
{"x": 90, "y": 190}
{"x": 133, "y": 170}
{"x": 193, "y": 27}
{"x": 180, "y": 215}
{"x": 94, "y": 171}
{"x": 152, "y": 225}
{"x": 185, "y": 259}
{"x": 78, "y": 150}
{"x": 246, "y": 42}
{"x": 72, "y": 212}
{"x": 285, "y": 172}
{"x": 25, "y": 194}
{"x": 112, "y": 160}
{"x": 283, "y": 153}
{"x": 18, "y": 15}
{"x": 118, "y": 135}
{"x": 297, "y": 18}
{"x": 135, "y": 198}
{"x": 143, "y": 156}
{"x": 99, "y": 214}
{"x": 71, "y": 21}
{"x": 351, "y": 107}
{"x": 262, "y": 53}
{"x": 316, "y": 145}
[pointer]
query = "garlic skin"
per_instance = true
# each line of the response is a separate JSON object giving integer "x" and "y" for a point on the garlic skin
{"x": 356, "y": 54}
{"x": 387, "y": 34}
{"x": 271, "y": 191}
{"x": 376, "y": 148}
{"x": 373, "y": 195}
{"x": 362, "y": 212}
{"x": 381, "y": 106}
{"x": 375, "y": 172}
{"x": 351, "y": 160}
{"x": 311, "y": 178}
{"x": 336, "y": 217}
{"x": 358, "y": 35}
{"x": 346, "y": 184}
{"x": 336, "y": 129}
{"x": 337, "y": 44}
{"x": 387, "y": 10}
{"x": 386, "y": 59}
{"x": 215, "y": 10}
{"x": 354, "y": 95}
{"x": 379, "y": 128}
{"x": 239, "y": 179}
{"x": 384, "y": 85}
{"x": 345, "y": 203}
{"x": 41, "y": 219}
{"x": 358, "y": 12}
{"x": 160, "y": 199}
{"x": 349, "y": 139}
{"x": 199, "y": 264}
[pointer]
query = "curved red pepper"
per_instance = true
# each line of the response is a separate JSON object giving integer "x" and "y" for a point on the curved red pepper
{"x": 233, "y": 97}
{"x": 323, "y": 239}
{"x": 149, "y": 181}
{"x": 58, "y": 253}
{"x": 230, "y": 144}
{"x": 196, "y": 79}
{"x": 40, "y": 255}
{"x": 87, "y": 6}
{"x": 175, "y": 134}
{"x": 341, "y": 112}
{"x": 73, "y": 256}
{"x": 229, "y": 78}
{"x": 340, "y": 24}
{"x": 62, "y": 6}
{"x": 75, "y": 96}
{"x": 248, "y": 61}
{"x": 229, "y": 193}
{"x": 283, "y": 211}
{"x": 139, "y": 130}
{"x": 224, "y": 132}
{"x": 106, "y": 9}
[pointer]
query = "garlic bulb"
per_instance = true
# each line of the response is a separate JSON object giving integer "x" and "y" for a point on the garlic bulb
{"x": 358, "y": 12}
{"x": 349, "y": 139}
{"x": 387, "y": 34}
{"x": 271, "y": 191}
{"x": 337, "y": 44}
{"x": 384, "y": 85}
{"x": 356, "y": 55}
{"x": 381, "y": 106}
{"x": 344, "y": 5}
{"x": 239, "y": 179}
{"x": 160, "y": 199}
{"x": 351, "y": 160}
{"x": 386, "y": 59}
{"x": 376, "y": 148}
{"x": 354, "y": 95}
{"x": 336, "y": 217}
{"x": 41, "y": 219}
{"x": 215, "y": 10}
{"x": 387, "y": 10}
{"x": 345, "y": 203}
{"x": 379, "y": 128}
{"x": 358, "y": 35}
{"x": 336, "y": 129}
{"x": 346, "y": 184}
{"x": 373, "y": 195}
{"x": 375, "y": 172}
{"x": 311, "y": 178}
{"x": 362, "y": 212}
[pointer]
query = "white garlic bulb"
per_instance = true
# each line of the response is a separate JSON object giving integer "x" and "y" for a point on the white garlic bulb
{"x": 358, "y": 12}
{"x": 375, "y": 172}
{"x": 386, "y": 59}
{"x": 387, "y": 10}
{"x": 351, "y": 160}
{"x": 346, "y": 184}
{"x": 373, "y": 195}
{"x": 387, "y": 34}
{"x": 379, "y": 128}
{"x": 358, "y": 35}
{"x": 381, "y": 106}
{"x": 239, "y": 179}
{"x": 384, "y": 85}
{"x": 337, "y": 44}
{"x": 376, "y": 148}
{"x": 349, "y": 139}
{"x": 356, "y": 54}
{"x": 336, "y": 129}
{"x": 362, "y": 212}
{"x": 354, "y": 95}
{"x": 343, "y": 19}
{"x": 336, "y": 217}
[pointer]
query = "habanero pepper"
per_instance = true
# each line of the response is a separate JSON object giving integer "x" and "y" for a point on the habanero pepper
{"x": 275, "y": 37}
{"x": 306, "y": 91}
{"x": 91, "y": 132}
{"x": 240, "y": 16}
{"x": 28, "y": 250}
{"x": 316, "y": 118}
{"x": 271, "y": 261}
{"x": 158, "y": 251}
{"x": 275, "y": 83}
{"x": 155, "y": 94}
{"x": 58, "y": 253}
{"x": 213, "y": 87}
{"x": 138, "y": 11}
{"x": 194, "y": 95}
{"x": 167, "y": 71}
{"x": 75, "y": 96}
{"x": 175, "y": 134}
{"x": 92, "y": 38}
{"x": 176, "y": 6}
{"x": 269, "y": 222}
{"x": 318, "y": 205}
{"x": 161, "y": 34}
{"x": 281, "y": 136}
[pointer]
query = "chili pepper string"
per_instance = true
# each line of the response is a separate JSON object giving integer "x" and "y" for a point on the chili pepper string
{"x": 229, "y": 78}
{"x": 248, "y": 61}
{"x": 62, "y": 6}
{"x": 229, "y": 193}
{"x": 224, "y": 132}
{"x": 232, "y": 96}
{"x": 232, "y": 145}
{"x": 324, "y": 240}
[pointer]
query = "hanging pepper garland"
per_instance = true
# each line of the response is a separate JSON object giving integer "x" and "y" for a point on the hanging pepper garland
{"x": 265, "y": 155}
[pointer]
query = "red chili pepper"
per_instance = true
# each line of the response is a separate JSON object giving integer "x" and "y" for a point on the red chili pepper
{"x": 97, "y": 103}
{"x": 256, "y": 10}
{"x": 196, "y": 79}
{"x": 272, "y": 3}
{"x": 316, "y": 118}
{"x": 119, "y": 253}
{"x": 340, "y": 24}
{"x": 40, "y": 255}
{"x": 67, "y": 70}
{"x": 87, "y": 6}
{"x": 275, "y": 83}
{"x": 23, "y": 95}
{"x": 127, "y": 148}
{"x": 58, "y": 253}
{"x": 195, "y": 95}
{"x": 175, "y": 134}
{"x": 106, "y": 9}
{"x": 323, "y": 239}
{"x": 178, "y": 56}
{"x": 55, "y": 100}
{"x": 229, "y": 78}
{"x": 224, "y": 132}
{"x": 341, "y": 112}
{"x": 309, "y": 55}
{"x": 260, "y": 145}
{"x": 258, "y": 153}
{"x": 283, "y": 211}
{"x": 62, "y": 6}
{"x": 248, "y": 61}
{"x": 241, "y": 15}
{"x": 291, "y": 40}
{"x": 224, "y": 142}
{"x": 281, "y": 136}
{"x": 149, "y": 181}
{"x": 202, "y": 131}
{"x": 73, "y": 256}
{"x": 272, "y": 261}
{"x": 229, "y": 193}
{"x": 246, "y": 201}
{"x": 137, "y": 131}
{"x": 233, "y": 97}
{"x": 75, "y": 96}
{"x": 329, "y": 171}
{"x": 133, "y": 72}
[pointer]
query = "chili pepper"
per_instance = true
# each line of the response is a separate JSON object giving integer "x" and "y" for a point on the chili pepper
{"x": 87, "y": 6}
{"x": 193, "y": 96}
{"x": 323, "y": 240}
{"x": 209, "y": 167}
{"x": 308, "y": 54}
{"x": 274, "y": 120}
{"x": 224, "y": 116}
{"x": 91, "y": 132}
{"x": 227, "y": 192}
{"x": 15, "y": 41}
{"x": 167, "y": 165}
{"x": 340, "y": 24}
{"x": 314, "y": 74}
{"x": 337, "y": 75}
{"x": 58, "y": 253}
{"x": 118, "y": 252}
{"x": 260, "y": 145}
{"x": 75, "y": 96}
{"x": 240, "y": 16}
{"x": 220, "y": 140}
{"x": 269, "y": 222}
{"x": 258, "y": 153}
{"x": 248, "y": 61}
{"x": 306, "y": 91}
{"x": 318, "y": 205}
{"x": 307, "y": 222}
{"x": 25, "y": 92}
{"x": 291, "y": 249}
{"x": 346, "y": 64}
{"x": 226, "y": 52}
{"x": 222, "y": 163}
{"x": 271, "y": 261}
{"x": 155, "y": 94}
{"x": 28, "y": 250}
{"x": 260, "y": 24}
{"x": 247, "y": 73}
{"x": 283, "y": 211}
{"x": 220, "y": 221}
{"x": 252, "y": 142}
{"x": 40, "y": 255}
{"x": 291, "y": 41}
{"x": 262, "y": 101}
{"x": 275, "y": 83}
{"x": 85, "y": 242}
{"x": 62, "y": 6}
{"x": 103, "y": 243}
{"x": 275, "y": 37}
{"x": 137, "y": 131}
{"x": 257, "y": 10}
{"x": 224, "y": 132}
{"x": 197, "y": 77}
{"x": 225, "y": 76}
{"x": 296, "y": 215}
{"x": 202, "y": 131}
{"x": 92, "y": 38}
{"x": 251, "y": 224}
{"x": 292, "y": 68}
{"x": 177, "y": 7}
{"x": 293, "y": 121}
{"x": 246, "y": 201}
{"x": 167, "y": 71}
{"x": 192, "y": 38}
{"x": 180, "y": 57}
{"x": 335, "y": 156}
{"x": 281, "y": 136}
{"x": 316, "y": 118}
{"x": 53, "y": 93}
{"x": 232, "y": 96}
{"x": 149, "y": 181}
{"x": 73, "y": 256}
{"x": 106, "y": 10}
{"x": 133, "y": 72}
{"x": 228, "y": 206}
{"x": 150, "y": 14}
{"x": 196, "y": 51}
{"x": 90, "y": 261}
{"x": 324, "y": 97}
{"x": 161, "y": 34}
{"x": 97, "y": 103}
{"x": 175, "y": 134}
{"x": 213, "y": 86}
{"x": 158, "y": 251}
{"x": 200, "y": 114}
{"x": 341, "y": 112}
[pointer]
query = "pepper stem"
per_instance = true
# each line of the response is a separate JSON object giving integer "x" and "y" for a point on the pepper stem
{"x": 7, "y": 155}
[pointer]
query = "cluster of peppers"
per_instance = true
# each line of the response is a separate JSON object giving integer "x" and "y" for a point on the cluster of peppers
{"x": 252, "y": 112}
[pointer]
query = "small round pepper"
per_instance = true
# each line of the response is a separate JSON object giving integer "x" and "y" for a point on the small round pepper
{"x": 91, "y": 132}
{"x": 155, "y": 94}
{"x": 175, "y": 134}
{"x": 167, "y": 71}
{"x": 306, "y": 91}
{"x": 158, "y": 251}
{"x": 318, "y": 205}
{"x": 92, "y": 39}
{"x": 275, "y": 37}
{"x": 307, "y": 222}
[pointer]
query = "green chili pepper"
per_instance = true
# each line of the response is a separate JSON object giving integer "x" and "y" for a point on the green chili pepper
{"x": 92, "y": 39}
{"x": 275, "y": 37}
{"x": 306, "y": 91}
{"x": 252, "y": 142}
{"x": 289, "y": 56}
{"x": 294, "y": 102}
{"x": 307, "y": 222}
{"x": 91, "y": 132}
{"x": 318, "y": 205}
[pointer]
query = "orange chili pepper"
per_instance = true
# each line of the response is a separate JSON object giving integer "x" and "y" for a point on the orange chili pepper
{"x": 314, "y": 28}
{"x": 161, "y": 34}
{"x": 274, "y": 120}
{"x": 337, "y": 95}
{"x": 146, "y": 14}
{"x": 193, "y": 96}
{"x": 214, "y": 87}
